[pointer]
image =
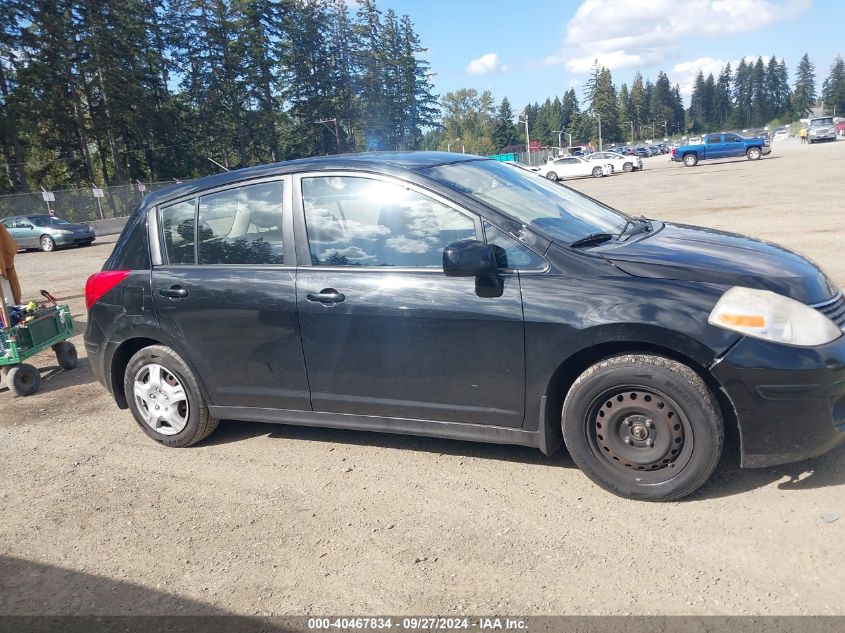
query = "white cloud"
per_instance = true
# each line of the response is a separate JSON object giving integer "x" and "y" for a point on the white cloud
{"x": 488, "y": 63}
{"x": 636, "y": 34}
{"x": 684, "y": 74}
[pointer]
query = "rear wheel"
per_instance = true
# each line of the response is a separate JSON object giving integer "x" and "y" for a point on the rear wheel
{"x": 165, "y": 398}
{"x": 46, "y": 243}
{"x": 597, "y": 172}
{"x": 643, "y": 427}
{"x": 628, "y": 167}
{"x": 690, "y": 160}
{"x": 23, "y": 380}
{"x": 552, "y": 176}
{"x": 66, "y": 355}
{"x": 753, "y": 153}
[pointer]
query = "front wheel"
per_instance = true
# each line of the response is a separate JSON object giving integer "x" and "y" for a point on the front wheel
{"x": 165, "y": 398}
{"x": 23, "y": 379}
{"x": 690, "y": 160}
{"x": 597, "y": 172}
{"x": 753, "y": 153}
{"x": 47, "y": 243}
{"x": 643, "y": 427}
{"x": 552, "y": 176}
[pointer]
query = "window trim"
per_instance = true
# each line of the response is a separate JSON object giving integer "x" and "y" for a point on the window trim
{"x": 156, "y": 229}
{"x": 529, "y": 271}
{"x": 303, "y": 246}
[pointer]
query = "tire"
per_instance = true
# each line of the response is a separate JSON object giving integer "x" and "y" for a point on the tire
{"x": 164, "y": 380}
{"x": 753, "y": 153}
{"x": 66, "y": 355}
{"x": 47, "y": 244}
{"x": 552, "y": 176}
{"x": 690, "y": 160}
{"x": 656, "y": 400}
{"x": 628, "y": 167}
{"x": 23, "y": 379}
{"x": 597, "y": 172}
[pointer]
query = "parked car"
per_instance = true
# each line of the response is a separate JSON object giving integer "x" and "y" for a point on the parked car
{"x": 821, "y": 129}
{"x": 47, "y": 232}
{"x": 617, "y": 162}
{"x": 721, "y": 146}
{"x": 449, "y": 295}
{"x": 840, "y": 128}
{"x": 574, "y": 167}
{"x": 780, "y": 134}
{"x": 642, "y": 152}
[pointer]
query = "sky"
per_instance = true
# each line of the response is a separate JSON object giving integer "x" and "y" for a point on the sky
{"x": 529, "y": 51}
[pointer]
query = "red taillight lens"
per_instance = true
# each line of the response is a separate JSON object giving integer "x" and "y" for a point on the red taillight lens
{"x": 100, "y": 283}
{"x": 673, "y": 150}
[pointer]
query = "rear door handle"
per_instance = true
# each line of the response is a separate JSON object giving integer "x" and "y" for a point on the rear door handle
{"x": 174, "y": 292}
{"x": 326, "y": 295}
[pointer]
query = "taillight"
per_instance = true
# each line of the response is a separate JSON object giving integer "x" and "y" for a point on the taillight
{"x": 673, "y": 151}
{"x": 100, "y": 283}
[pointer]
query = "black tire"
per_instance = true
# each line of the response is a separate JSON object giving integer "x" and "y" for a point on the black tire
{"x": 597, "y": 172}
{"x": 690, "y": 160}
{"x": 656, "y": 400}
{"x": 23, "y": 379}
{"x": 66, "y": 355}
{"x": 47, "y": 244}
{"x": 199, "y": 423}
{"x": 628, "y": 167}
{"x": 552, "y": 176}
{"x": 753, "y": 153}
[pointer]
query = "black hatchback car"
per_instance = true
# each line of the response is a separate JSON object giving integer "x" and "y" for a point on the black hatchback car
{"x": 449, "y": 295}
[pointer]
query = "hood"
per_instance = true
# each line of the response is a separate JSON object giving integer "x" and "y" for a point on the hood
{"x": 692, "y": 253}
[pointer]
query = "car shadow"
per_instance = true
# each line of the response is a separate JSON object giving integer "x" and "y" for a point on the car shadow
{"x": 728, "y": 479}
{"x": 236, "y": 431}
{"x": 36, "y": 597}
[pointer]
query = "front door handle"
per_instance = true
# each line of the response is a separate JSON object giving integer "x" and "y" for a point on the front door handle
{"x": 326, "y": 295}
{"x": 174, "y": 292}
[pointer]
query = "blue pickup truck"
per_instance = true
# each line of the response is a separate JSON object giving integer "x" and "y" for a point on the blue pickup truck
{"x": 727, "y": 145}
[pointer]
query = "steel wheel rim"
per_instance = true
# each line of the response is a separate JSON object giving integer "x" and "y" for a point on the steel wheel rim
{"x": 160, "y": 399}
{"x": 631, "y": 409}
{"x": 47, "y": 243}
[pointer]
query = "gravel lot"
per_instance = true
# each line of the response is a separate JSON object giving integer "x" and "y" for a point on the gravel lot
{"x": 262, "y": 519}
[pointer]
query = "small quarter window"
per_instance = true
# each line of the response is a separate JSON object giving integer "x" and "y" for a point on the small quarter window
{"x": 177, "y": 225}
{"x": 510, "y": 254}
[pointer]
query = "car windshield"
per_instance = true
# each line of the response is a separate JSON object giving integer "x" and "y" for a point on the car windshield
{"x": 823, "y": 121}
{"x": 46, "y": 220}
{"x": 559, "y": 211}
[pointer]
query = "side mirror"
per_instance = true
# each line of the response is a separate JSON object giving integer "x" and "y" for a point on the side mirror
{"x": 469, "y": 258}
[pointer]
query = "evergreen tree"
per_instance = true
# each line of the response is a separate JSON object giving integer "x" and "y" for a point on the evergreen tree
{"x": 742, "y": 93}
{"x": 804, "y": 92}
{"x": 504, "y": 132}
{"x": 639, "y": 105}
{"x": 760, "y": 111}
{"x": 661, "y": 107}
{"x": 722, "y": 98}
{"x": 833, "y": 89}
{"x": 623, "y": 103}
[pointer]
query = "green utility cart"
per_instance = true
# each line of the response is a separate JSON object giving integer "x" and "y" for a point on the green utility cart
{"x": 49, "y": 326}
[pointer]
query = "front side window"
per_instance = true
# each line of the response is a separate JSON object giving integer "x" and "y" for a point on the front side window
{"x": 510, "y": 254}
{"x": 732, "y": 138}
{"x": 355, "y": 221}
{"x": 561, "y": 212}
{"x": 177, "y": 226}
{"x": 242, "y": 225}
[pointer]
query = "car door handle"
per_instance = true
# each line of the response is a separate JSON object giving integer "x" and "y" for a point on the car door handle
{"x": 326, "y": 295}
{"x": 174, "y": 292}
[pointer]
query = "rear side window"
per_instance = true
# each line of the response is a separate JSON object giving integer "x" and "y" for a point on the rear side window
{"x": 177, "y": 225}
{"x": 242, "y": 225}
{"x": 355, "y": 221}
{"x": 713, "y": 139}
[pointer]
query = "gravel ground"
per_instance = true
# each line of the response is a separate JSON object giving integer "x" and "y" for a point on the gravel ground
{"x": 263, "y": 519}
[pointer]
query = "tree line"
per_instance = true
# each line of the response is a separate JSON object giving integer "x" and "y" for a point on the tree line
{"x": 754, "y": 94}
{"x": 114, "y": 91}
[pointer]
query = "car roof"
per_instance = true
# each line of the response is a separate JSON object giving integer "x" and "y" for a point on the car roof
{"x": 369, "y": 161}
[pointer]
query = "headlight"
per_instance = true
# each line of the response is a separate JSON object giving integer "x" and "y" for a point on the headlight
{"x": 62, "y": 232}
{"x": 772, "y": 317}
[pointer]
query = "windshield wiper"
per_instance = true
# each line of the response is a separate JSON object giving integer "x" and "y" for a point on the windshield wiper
{"x": 592, "y": 238}
{"x": 641, "y": 224}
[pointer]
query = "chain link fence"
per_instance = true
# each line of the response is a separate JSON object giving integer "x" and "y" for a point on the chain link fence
{"x": 80, "y": 205}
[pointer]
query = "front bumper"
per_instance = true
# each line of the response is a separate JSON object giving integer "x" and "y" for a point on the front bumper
{"x": 789, "y": 401}
{"x": 829, "y": 136}
{"x": 766, "y": 149}
{"x": 72, "y": 239}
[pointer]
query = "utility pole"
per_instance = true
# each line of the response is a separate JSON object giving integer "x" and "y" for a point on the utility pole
{"x": 218, "y": 164}
{"x": 46, "y": 196}
{"x": 559, "y": 134}
{"x": 652, "y": 132}
{"x": 449, "y": 146}
{"x": 333, "y": 131}
{"x": 524, "y": 115}
{"x": 665, "y": 130}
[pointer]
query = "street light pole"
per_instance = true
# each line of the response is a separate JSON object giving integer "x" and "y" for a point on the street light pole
{"x": 600, "y": 143}
{"x": 524, "y": 115}
{"x": 632, "y": 131}
{"x": 559, "y": 134}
